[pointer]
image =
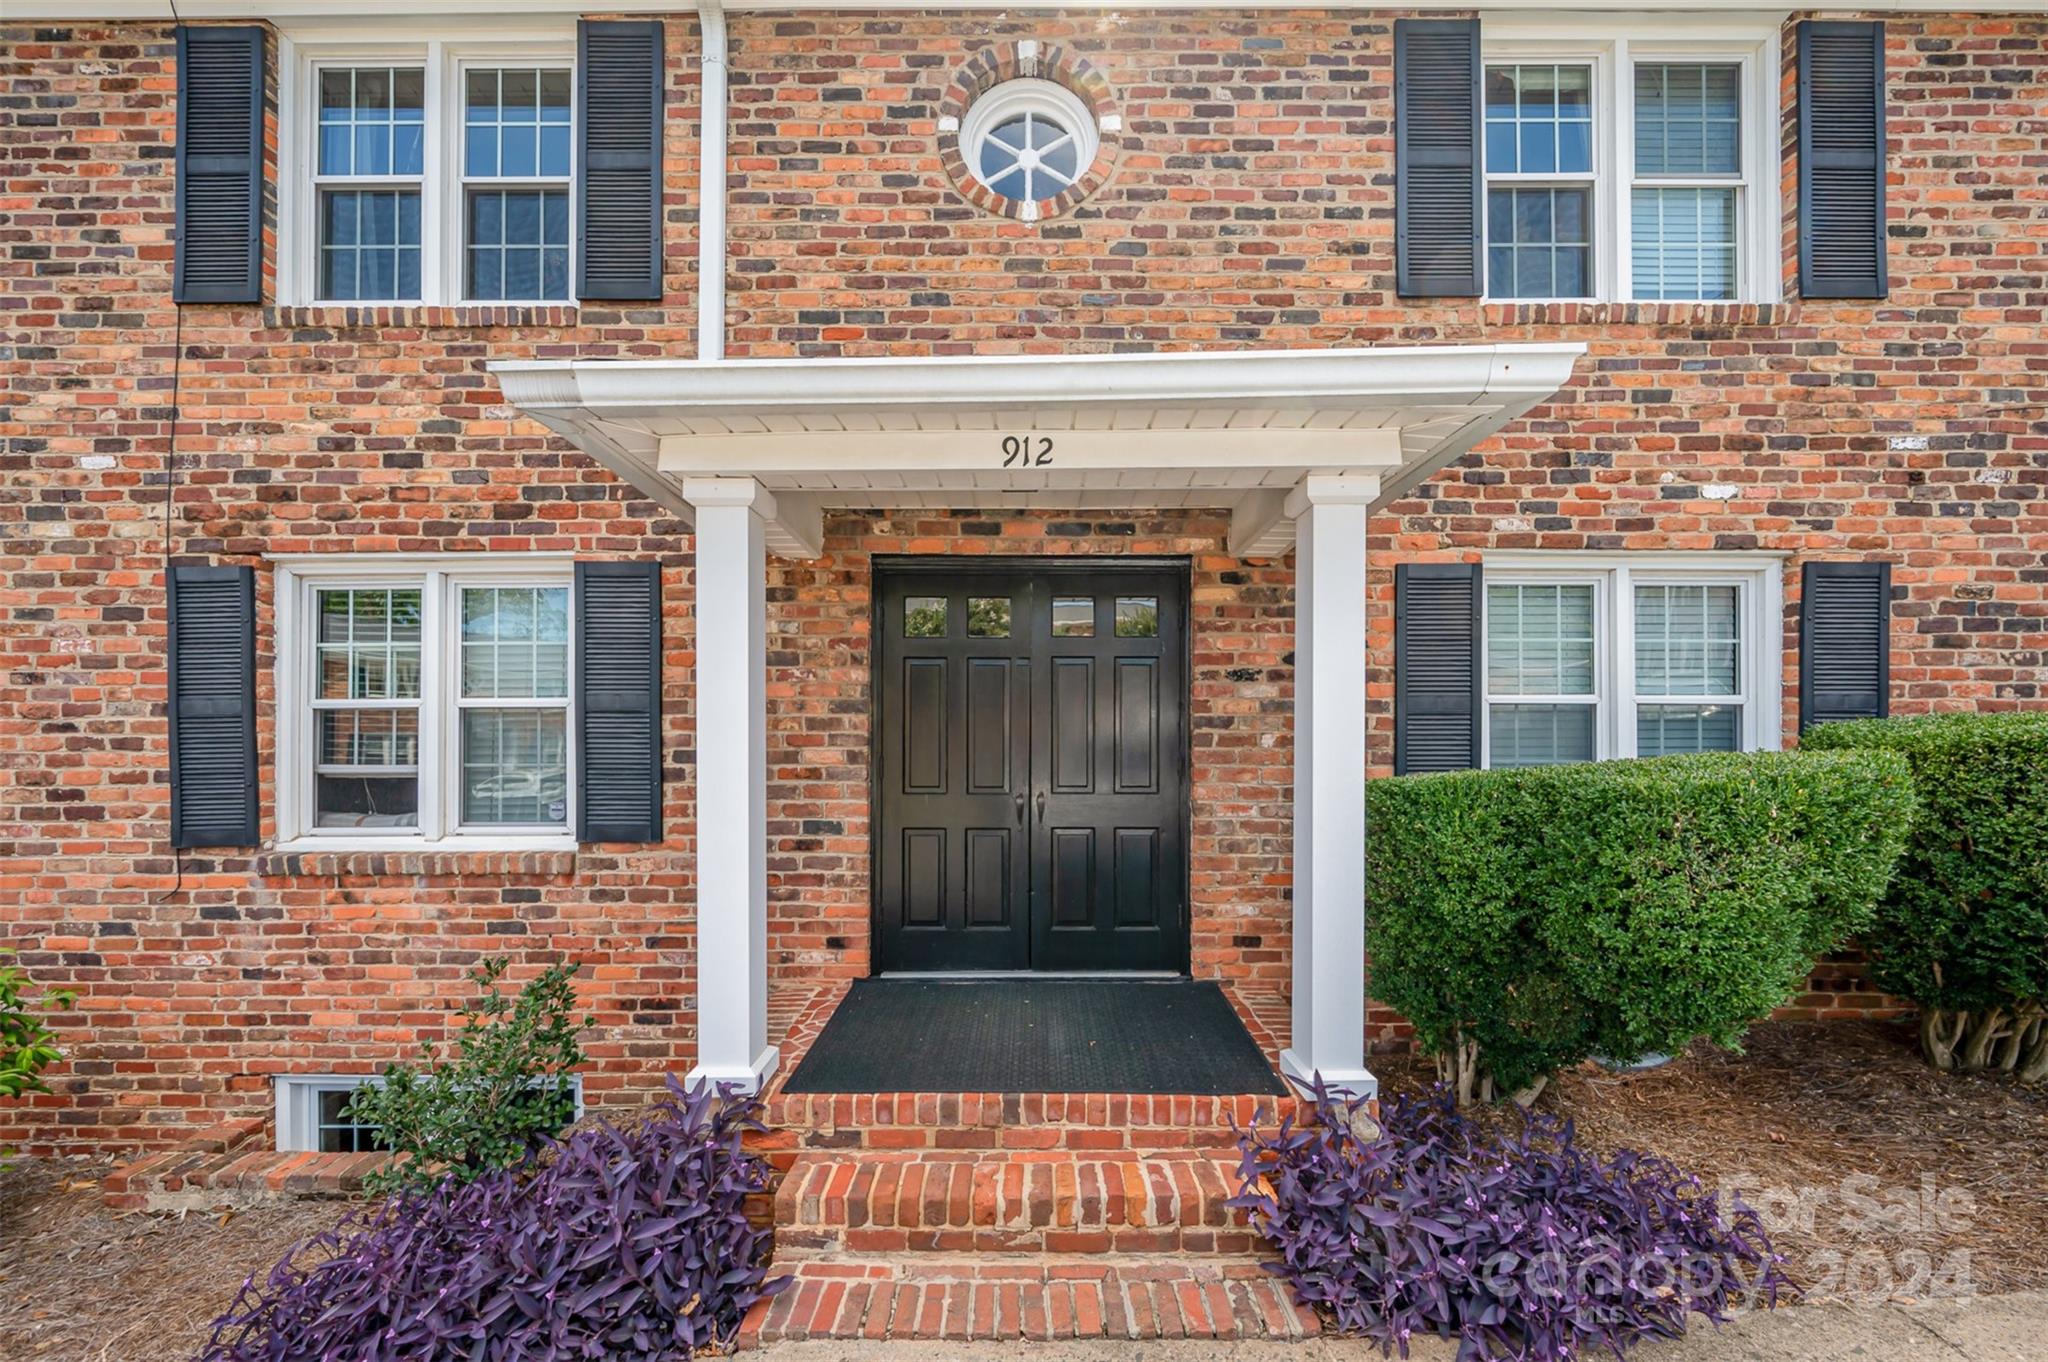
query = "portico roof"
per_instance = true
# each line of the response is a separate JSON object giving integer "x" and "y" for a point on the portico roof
{"x": 1236, "y": 429}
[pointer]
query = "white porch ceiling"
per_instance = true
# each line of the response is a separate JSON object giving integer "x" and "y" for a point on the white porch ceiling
{"x": 1233, "y": 430}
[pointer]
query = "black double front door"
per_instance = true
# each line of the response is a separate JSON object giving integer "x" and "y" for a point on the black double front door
{"x": 1031, "y": 767}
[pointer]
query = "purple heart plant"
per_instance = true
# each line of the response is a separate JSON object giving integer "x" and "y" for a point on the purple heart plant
{"x": 1521, "y": 1246}
{"x": 626, "y": 1243}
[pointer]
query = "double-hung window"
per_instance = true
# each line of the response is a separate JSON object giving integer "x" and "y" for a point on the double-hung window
{"x": 432, "y": 702}
{"x": 436, "y": 172}
{"x": 1589, "y": 658}
{"x": 1639, "y": 165}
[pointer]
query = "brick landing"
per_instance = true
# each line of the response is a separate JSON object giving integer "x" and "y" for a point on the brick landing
{"x": 1012, "y": 1216}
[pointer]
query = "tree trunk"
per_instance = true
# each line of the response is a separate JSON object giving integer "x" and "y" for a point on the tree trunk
{"x": 1939, "y": 1033}
{"x": 1464, "y": 1069}
{"x": 1990, "y": 1028}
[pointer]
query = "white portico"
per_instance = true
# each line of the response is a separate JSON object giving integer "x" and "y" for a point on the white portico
{"x": 1300, "y": 446}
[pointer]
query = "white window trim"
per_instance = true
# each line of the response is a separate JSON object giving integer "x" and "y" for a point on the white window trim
{"x": 441, "y": 575}
{"x": 1612, "y": 45}
{"x": 444, "y": 56}
{"x": 1046, "y": 99}
{"x": 297, "y": 1098}
{"x": 1614, "y": 576}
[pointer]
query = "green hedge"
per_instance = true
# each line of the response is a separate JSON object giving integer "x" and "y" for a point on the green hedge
{"x": 1964, "y": 928}
{"x": 1524, "y": 920}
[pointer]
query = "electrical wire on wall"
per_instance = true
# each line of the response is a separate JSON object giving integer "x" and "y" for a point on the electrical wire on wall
{"x": 170, "y": 500}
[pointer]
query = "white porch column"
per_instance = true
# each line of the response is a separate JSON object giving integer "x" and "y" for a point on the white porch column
{"x": 1329, "y": 513}
{"x": 732, "y": 781}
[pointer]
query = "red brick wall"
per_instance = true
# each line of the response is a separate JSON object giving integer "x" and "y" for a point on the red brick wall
{"x": 1251, "y": 205}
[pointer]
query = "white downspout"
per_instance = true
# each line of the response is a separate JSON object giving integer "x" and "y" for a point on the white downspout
{"x": 711, "y": 151}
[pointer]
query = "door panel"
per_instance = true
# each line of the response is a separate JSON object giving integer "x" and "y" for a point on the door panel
{"x": 1021, "y": 825}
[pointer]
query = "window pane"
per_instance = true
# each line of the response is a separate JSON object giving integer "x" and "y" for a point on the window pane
{"x": 924, "y": 617}
{"x": 369, "y": 646}
{"x": 1539, "y": 243}
{"x": 337, "y": 1133}
{"x": 515, "y": 766}
{"x": 1665, "y": 729}
{"x": 518, "y": 244}
{"x": 515, "y": 642}
{"x": 1137, "y": 617}
{"x": 379, "y": 738}
{"x": 372, "y": 121}
{"x": 1688, "y": 119}
{"x": 1684, "y": 243}
{"x": 516, "y": 123}
{"x": 1687, "y": 640}
{"x": 1073, "y": 617}
{"x": 1539, "y": 639}
{"x": 1539, "y": 120}
{"x": 369, "y": 244}
{"x": 1539, "y": 735}
{"x": 988, "y": 617}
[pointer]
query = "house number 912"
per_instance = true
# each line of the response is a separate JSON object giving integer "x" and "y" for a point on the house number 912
{"x": 1027, "y": 451}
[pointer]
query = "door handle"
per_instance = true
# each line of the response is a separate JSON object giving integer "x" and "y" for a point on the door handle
{"x": 1020, "y": 810}
{"x": 1041, "y": 806}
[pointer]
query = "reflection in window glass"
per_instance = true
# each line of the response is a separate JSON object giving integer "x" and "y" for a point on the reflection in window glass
{"x": 372, "y": 125}
{"x": 988, "y": 617}
{"x": 1073, "y": 617}
{"x": 337, "y": 1131}
{"x": 924, "y": 617}
{"x": 1539, "y": 642}
{"x": 516, "y": 126}
{"x": 367, "y": 754}
{"x": 1539, "y": 120}
{"x": 515, "y": 761}
{"x": 1137, "y": 617}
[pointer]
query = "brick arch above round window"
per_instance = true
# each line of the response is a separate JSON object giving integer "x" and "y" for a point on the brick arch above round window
{"x": 1039, "y": 75}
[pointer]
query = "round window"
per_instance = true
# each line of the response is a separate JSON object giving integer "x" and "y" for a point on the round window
{"x": 1029, "y": 140}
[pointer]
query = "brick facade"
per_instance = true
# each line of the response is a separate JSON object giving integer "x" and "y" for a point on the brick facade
{"x": 1251, "y": 203}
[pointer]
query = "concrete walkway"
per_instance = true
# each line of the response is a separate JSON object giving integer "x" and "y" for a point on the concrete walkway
{"x": 1990, "y": 1329}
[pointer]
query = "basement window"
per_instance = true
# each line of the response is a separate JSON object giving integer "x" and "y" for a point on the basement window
{"x": 313, "y": 1115}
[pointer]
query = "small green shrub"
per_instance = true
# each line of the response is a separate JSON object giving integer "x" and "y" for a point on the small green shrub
{"x": 1963, "y": 931}
{"x": 495, "y": 1100}
{"x": 27, "y": 1044}
{"x": 1524, "y": 920}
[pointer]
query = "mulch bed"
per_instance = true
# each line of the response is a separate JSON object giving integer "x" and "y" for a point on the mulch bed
{"x": 80, "y": 1283}
{"x": 1809, "y": 1105}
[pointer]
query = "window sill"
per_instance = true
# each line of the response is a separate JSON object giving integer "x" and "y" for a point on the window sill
{"x": 1583, "y": 312}
{"x": 367, "y": 857}
{"x": 350, "y": 315}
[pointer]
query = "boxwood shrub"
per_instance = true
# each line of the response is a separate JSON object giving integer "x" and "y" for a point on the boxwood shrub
{"x": 1963, "y": 931}
{"x": 1524, "y": 920}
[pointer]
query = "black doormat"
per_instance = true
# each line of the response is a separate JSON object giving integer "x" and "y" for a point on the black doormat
{"x": 1035, "y": 1035}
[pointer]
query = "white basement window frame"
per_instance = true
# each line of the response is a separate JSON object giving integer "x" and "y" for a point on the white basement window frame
{"x": 441, "y": 581}
{"x": 1611, "y": 48}
{"x": 1611, "y": 692}
{"x": 308, "y": 1122}
{"x": 445, "y": 61}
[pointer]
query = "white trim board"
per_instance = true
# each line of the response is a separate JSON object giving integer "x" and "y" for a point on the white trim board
{"x": 1160, "y": 429}
{"x": 167, "y": 10}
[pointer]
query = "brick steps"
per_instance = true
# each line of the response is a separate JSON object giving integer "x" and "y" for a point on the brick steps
{"x": 1100, "y": 1123}
{"x": 963, "y": 1299}
{"x": 229, "y": 1165}
{"x": 1058, "y": 1203}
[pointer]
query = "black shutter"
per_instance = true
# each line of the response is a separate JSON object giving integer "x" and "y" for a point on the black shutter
{"x": 1437, "y": 674}
{"x": 1845, "y": 666}
{"x": 618, "y": 162}
{"x": 1841, "y": 160}
{"x": 220, "y": 166}
{"x": 212, "y": 678}
{"x": 1438, "y": 184}
{"x": 618, "y": 702}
